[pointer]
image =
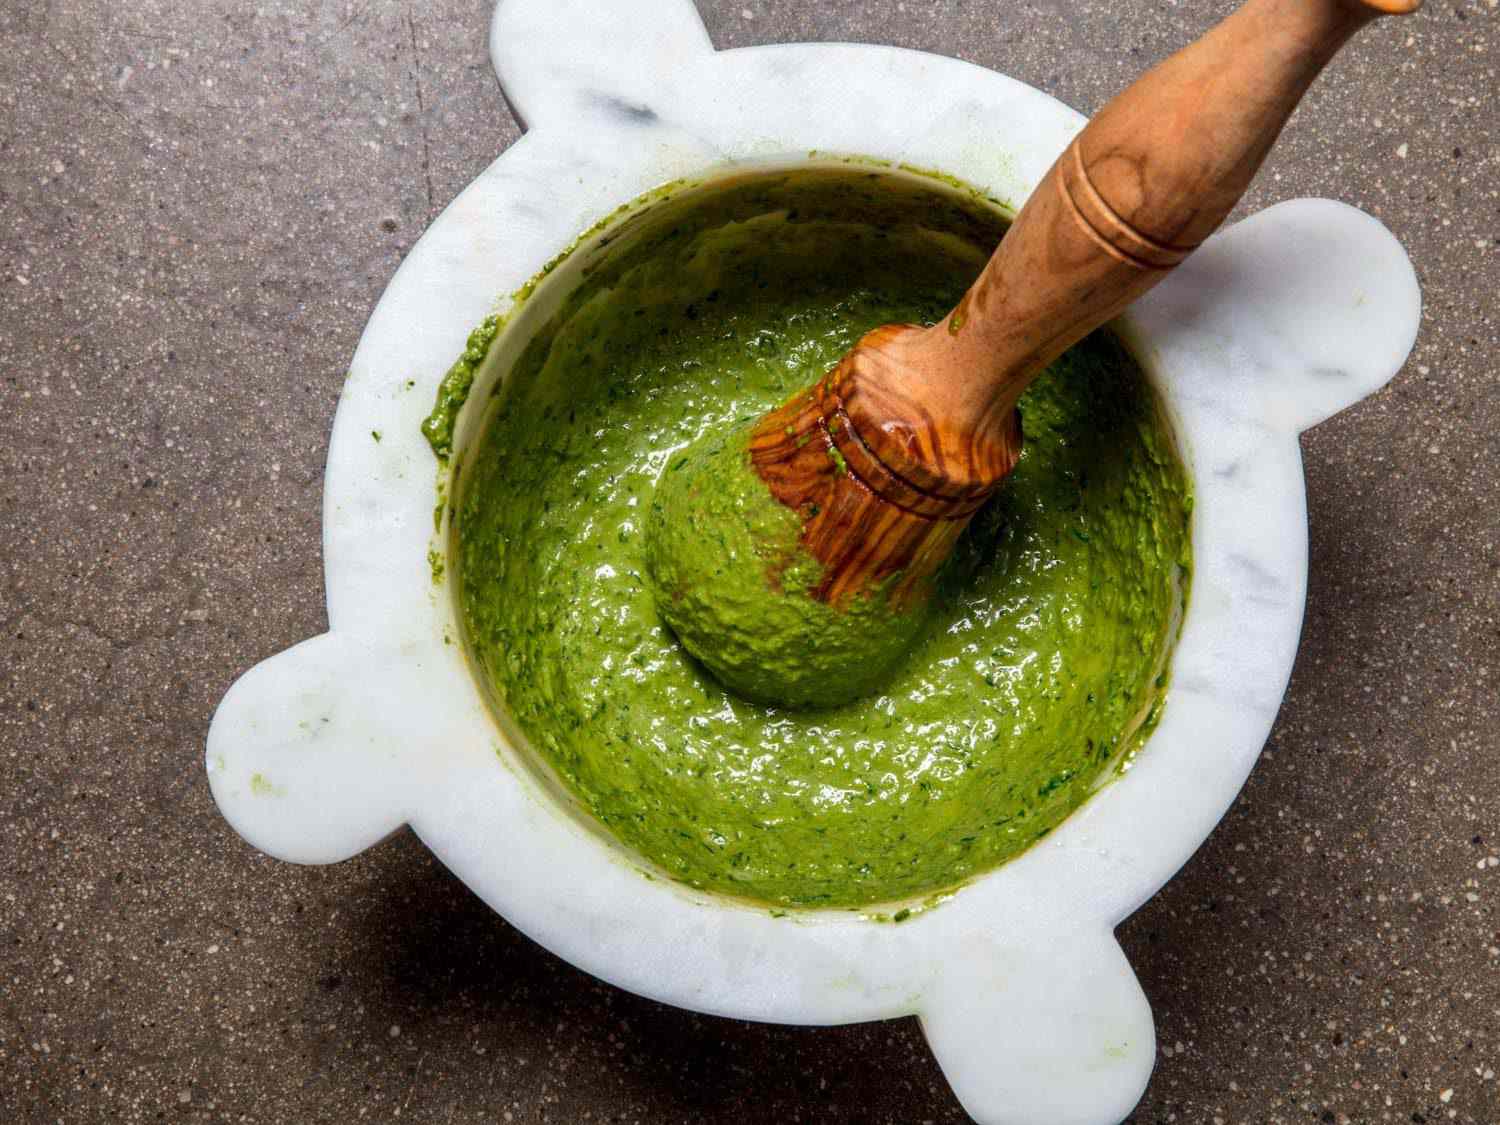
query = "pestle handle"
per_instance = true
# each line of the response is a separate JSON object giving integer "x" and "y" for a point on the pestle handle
{"x": 1150, "y": 177}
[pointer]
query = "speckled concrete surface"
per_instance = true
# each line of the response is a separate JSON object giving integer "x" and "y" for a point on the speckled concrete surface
{"x": 200, "y": 201}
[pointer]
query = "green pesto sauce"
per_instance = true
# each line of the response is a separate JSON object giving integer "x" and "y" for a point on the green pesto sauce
{"x": 453, "y": 391}
{"x": 1040, "y": 666}
{"x": 728, "y": 572}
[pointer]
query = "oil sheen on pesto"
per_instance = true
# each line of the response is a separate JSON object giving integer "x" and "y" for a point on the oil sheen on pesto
{"x": 1042, "y": 660}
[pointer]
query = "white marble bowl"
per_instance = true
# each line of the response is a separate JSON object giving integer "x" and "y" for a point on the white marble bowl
{"x": 1024, "y": 995}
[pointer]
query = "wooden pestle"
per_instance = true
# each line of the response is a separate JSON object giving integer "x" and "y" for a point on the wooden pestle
{"x": 888, "y": 456}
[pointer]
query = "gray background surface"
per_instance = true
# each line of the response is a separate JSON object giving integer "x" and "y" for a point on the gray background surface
{"x": 200, "y": 203}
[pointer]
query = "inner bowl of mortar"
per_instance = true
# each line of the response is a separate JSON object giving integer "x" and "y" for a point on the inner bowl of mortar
{"x": 1042, "y": 669}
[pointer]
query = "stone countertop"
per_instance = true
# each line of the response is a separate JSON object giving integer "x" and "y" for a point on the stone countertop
{"x": 200, "y": 203}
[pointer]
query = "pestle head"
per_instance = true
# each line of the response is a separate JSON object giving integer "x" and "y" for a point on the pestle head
{"x": 735, "y": 583}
